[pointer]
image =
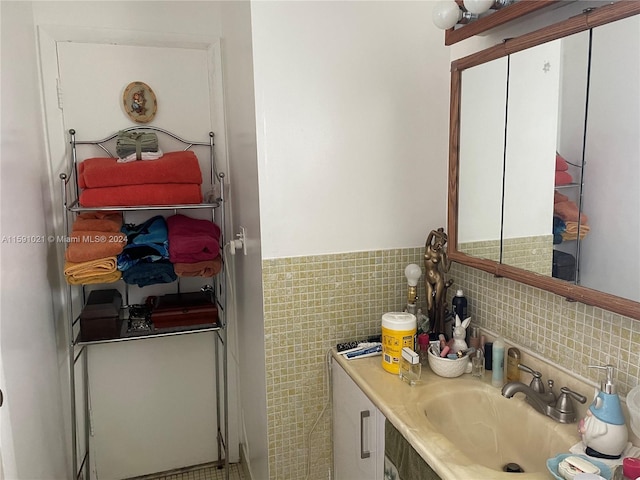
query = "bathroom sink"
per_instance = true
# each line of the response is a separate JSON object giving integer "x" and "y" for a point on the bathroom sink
{"x": 493, "y": 431}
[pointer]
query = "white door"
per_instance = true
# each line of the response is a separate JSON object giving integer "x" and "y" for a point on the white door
{"x": 152, "y": 403}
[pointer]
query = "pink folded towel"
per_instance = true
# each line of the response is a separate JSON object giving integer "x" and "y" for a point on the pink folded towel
{"x": 192, "y": 240}
{"x": 172, "y": 167}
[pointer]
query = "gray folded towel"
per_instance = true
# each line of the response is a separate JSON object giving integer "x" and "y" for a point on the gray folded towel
{"x": 136, "y": 142}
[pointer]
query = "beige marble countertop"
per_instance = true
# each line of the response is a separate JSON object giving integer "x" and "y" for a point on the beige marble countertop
{"x": 402, "y": 404}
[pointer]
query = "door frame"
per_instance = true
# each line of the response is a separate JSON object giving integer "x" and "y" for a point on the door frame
{"x": 57, "y": 151}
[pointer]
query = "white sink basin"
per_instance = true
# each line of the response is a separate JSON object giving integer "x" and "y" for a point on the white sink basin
{"x": 491, "y": 430}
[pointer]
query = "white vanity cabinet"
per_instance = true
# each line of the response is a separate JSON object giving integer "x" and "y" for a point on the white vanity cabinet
{"x": 358, "y": 431}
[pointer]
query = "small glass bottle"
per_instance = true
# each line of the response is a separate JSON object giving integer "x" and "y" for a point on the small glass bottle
{"x": 477, "y": 364}
{"x": 410, "y": 368}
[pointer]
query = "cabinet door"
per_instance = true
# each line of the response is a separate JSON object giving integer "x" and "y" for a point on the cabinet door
{"x": 358, "y": 431}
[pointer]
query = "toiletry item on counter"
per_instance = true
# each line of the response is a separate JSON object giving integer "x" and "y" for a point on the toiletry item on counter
{"x": 488, "y": 355}
{"x": 434, "y": 346}
{"x": 474, "y": 337}
{"x": 631, "y": 467}
{"x": 423, "y": 347}
{"x": 341, "y": 347}
{"x": 497, "y": 354}
{"x": 477, "y": 364}
{"x": 423, "y": 323}
{"x": 442, "y": 340}
{"x": 366, "y": 349}
{"x": 466, "y": 352}
{"x": 398, "y": 331}
{"x": 513, "y": 359}
{"x": 410, "y": 367}
{"x": 574, "y": 465}
{"x": 445, "y": 351}
{"x": 603, "y": 429}
{"x": 459, "y": 304}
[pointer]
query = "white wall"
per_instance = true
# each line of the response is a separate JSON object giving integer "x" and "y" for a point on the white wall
{"x": 33, "y": 443}
{"x": 352, "y": 106}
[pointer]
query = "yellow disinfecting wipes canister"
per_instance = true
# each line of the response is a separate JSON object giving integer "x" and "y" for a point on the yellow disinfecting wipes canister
{"x": 398, "y": 331}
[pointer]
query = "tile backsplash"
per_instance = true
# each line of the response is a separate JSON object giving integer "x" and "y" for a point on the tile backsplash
{"x": 312, "y": 303}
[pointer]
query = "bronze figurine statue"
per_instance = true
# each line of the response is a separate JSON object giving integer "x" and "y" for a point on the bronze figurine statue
{"x": 436, "y": 264}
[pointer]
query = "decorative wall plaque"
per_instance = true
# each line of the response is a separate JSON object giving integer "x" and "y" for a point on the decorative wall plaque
{"x": 139, "y": 102}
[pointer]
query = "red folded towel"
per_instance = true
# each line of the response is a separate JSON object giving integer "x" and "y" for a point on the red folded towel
{"x": 172, "y": 167}
{"x": 192, "y": 240}
{"x": 563, "y": 178}
{"x": 133, "y": 195}
{"x": 561, "y": 163}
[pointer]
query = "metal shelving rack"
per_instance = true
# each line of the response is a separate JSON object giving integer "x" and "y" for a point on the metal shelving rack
{"x": 78, "y": 349}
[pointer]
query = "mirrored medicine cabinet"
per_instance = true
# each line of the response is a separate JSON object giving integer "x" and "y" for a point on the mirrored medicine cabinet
{"x": 544, "y": 159}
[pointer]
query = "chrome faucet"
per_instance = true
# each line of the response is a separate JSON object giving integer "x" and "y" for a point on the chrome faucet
{"x": 560, "y": 409}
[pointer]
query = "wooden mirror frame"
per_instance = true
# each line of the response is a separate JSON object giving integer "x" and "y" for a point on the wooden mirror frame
{"x": 585, "y": 21}
{"x": 497, "y": 18}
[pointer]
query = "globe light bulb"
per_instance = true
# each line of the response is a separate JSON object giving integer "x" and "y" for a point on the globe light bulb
{"x": 478, "y": 6}
{"x": 413, "y": 273}
{"x": 446, "y": 14}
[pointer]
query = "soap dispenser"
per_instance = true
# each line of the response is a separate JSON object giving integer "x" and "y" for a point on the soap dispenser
{"x": 603, "y": 429}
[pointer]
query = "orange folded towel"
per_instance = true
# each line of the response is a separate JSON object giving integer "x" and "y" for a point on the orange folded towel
{"x": 559, "y": 197}
{"x": 574, "y": 230}
{"x": 568, "y": 211}
{"x": 205, "y": 268}
{"x": 98, "y": 222}
{"x": 85, "y": 246}
{"x": 102, "y": 270}
{"x": 172, "y": 167}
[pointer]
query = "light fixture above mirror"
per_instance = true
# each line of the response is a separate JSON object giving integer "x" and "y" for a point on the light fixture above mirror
{"x": 463, "y": 19}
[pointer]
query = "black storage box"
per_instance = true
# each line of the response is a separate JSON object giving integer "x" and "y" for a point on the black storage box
{"x": 100, "y": 317}
{"x": 564, "y": 266}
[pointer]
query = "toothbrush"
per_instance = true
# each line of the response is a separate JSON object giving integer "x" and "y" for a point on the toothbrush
{"x": 360, "y": 346}
{"x": 369, "y": 352}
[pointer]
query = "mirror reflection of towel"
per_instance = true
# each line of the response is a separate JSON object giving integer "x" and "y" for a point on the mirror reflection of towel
{"x": 573, "y": 229}
{"x": 561, "y": 163}
{"x": 563, "y": 178}
{"x": 568, "y": 211}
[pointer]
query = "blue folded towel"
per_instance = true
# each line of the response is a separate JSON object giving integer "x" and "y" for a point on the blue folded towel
{"x": 147, "y": 242}
{"x": 149, "y": 273}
